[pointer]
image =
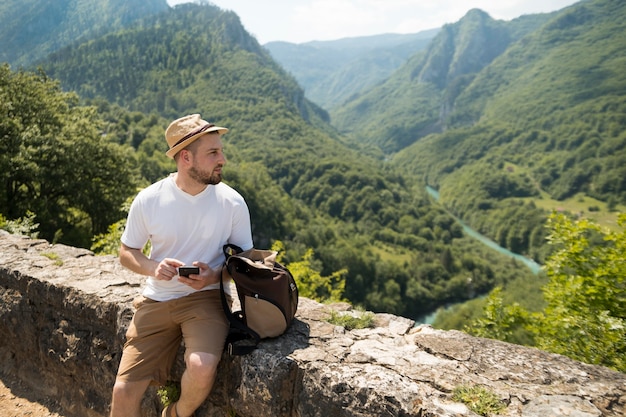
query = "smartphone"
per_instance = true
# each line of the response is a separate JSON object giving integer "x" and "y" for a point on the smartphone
{"x": 185, "y": 271}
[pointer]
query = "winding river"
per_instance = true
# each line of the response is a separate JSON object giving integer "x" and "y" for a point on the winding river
{"x": 531, "y": 264}
{"x": 534, "y": 266}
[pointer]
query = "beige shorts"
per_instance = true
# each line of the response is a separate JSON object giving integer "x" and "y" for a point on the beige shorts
{"x": 157, "y": 328}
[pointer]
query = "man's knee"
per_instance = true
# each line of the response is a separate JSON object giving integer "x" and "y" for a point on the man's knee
{"x": 128, "y": 393}
{"x": 202, "y": 366}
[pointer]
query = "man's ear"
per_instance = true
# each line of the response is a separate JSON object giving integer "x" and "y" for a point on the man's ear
{"x": 185, "y": 155}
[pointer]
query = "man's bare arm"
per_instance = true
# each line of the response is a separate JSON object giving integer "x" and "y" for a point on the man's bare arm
{"x": 135, "y": 260}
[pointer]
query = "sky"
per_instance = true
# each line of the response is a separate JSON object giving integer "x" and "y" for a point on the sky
{"x": 299, "y": 21}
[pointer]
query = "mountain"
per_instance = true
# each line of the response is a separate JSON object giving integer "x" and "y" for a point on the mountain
{"x": 304, "y": 185}
{"x": 415, "y": 100}
{"x": 333, "y": 71}
{"x": 30, "y": 29}
{"x": 539, "y": 128}
{"x": 182, "y": 56}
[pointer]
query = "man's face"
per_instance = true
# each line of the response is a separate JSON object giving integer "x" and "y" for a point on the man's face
{"x": 207, "y": 159}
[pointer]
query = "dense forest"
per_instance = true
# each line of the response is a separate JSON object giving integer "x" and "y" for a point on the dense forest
{"x": 31, "y": 29}
{"x": 508, "y": 121}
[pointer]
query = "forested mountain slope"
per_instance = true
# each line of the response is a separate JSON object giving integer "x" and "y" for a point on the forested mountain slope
{"x": 544, "y": 121}
{"x": 333, "y": 71}
{"x": 30, "y": 29}
{"x": 167, "y": 65}
{"x": 416, "y": 100}
{"x": 401, "y": 254}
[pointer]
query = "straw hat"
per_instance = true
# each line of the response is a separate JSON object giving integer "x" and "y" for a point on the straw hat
{"x": 182, "y": 132}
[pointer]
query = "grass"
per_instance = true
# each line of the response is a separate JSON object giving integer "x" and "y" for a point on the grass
{"x": 389, "y": 253}
{"x": 352, "y": 320}
{"x": 53, "y": 257}
{"x": 580, "y": 204}
{"x": 478, "y": 399}
{"x": 169, "y": 393}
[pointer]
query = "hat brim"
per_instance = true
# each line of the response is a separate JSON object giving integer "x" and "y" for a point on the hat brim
{"x": 173, "y": 151}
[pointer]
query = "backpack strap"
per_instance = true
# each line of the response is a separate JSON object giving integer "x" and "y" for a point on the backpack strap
{"x": 241, "y": 339}
{"x": 230, "y": 249}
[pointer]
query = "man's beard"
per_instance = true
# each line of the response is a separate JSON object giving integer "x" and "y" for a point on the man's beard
{"x": 208, "y": 178}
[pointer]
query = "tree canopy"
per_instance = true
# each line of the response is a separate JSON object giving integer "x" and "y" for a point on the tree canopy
{"x": 54, "y": 161}
{"x": 585, "y": 312}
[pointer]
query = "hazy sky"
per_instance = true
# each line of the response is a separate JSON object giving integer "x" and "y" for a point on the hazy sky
{"x": 300, "y": 21}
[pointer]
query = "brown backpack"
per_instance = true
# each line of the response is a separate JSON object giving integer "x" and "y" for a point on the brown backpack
{"x": 267, "y": 293}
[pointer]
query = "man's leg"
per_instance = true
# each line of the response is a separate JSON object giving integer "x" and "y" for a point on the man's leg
{"x": 204, "y": 327}
{"x": 127, "y": 398}
{"x": 196, "y": 382}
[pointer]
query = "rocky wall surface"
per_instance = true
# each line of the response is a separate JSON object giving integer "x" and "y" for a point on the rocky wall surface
{"x": 64, "y": 312}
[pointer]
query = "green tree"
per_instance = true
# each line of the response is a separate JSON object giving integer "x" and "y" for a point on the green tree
{"x": 585, "y": 313}
{"x": 311, "y": 283}
{"x": 108, "y": 243}
{"x": 585, "y": 317}
{"x": 501, "y": 321}
{"x": 55, "y": 162}
{"x": 23, "y": 226}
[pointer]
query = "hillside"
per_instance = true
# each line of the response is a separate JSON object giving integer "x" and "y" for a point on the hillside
{"x": 416, "y": 99}
{"x": 31, "y": 29}
{"x": 304, "y": 186}
{"x": 331, "y": 72}
{"x": 543, "y": 121}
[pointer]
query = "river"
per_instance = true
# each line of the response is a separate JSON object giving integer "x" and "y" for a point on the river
{"x": 534, "y": 266}
{"x": 531, "y": 264}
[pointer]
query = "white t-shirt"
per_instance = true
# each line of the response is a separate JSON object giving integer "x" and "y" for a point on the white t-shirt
{"x": 185, "y": 227}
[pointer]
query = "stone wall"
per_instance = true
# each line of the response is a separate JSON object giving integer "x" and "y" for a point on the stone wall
{"x": 63, "y": 314}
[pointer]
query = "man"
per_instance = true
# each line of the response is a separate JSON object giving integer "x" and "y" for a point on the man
{"x": 187, "y": 217}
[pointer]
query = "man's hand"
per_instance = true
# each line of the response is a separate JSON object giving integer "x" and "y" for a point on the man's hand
{"x": 198, "y": 281}
{"x": 167, "y": 269}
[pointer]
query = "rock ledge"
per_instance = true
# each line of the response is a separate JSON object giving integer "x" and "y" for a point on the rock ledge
{"x": 64, "y": 313}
